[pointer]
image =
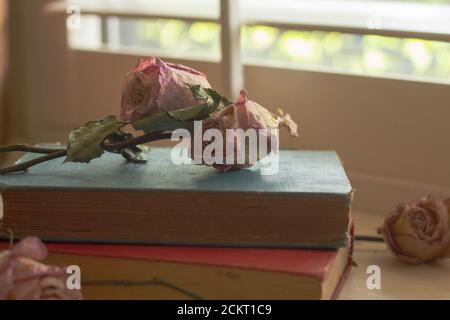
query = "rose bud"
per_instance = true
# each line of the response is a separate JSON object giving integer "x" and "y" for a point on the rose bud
{"x": 245, "y": 114}
{"x": 156, "y": 86}
{"x": 22, "y": 277}
{"x": 419, "y": 232}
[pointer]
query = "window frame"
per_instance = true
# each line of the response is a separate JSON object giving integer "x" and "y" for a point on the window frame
{"x": 231, "y": 20}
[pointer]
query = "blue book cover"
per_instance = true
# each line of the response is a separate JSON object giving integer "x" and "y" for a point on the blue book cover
{"x": 305, "y": 204}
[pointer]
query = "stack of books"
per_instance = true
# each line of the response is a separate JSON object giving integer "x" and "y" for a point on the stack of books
{"x": 163, "y": 230}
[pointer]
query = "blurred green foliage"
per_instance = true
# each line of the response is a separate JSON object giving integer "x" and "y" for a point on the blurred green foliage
{"x": 361, "y": 54}
{"x": 198, "y": 39}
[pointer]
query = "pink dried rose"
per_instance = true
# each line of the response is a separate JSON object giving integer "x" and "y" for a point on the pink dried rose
{"x": 419, "y": 232}
{"x": 23, "y": 277}
{"x": 156, "y": 86}
{"x": 246, "y": 114}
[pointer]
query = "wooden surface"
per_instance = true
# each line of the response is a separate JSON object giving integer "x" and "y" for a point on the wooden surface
{"x": 398, "y": 280}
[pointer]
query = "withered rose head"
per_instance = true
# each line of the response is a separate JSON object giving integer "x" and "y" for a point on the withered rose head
{"x": 419, "y": 232}
{"x": 22, "y": 276}
{"x": 246, "y": 114}
{"x": 156, "y": 86}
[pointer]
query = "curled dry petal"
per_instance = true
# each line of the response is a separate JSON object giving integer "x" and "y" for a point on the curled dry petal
{"x": 54, "y": 289}
{"x": 419, "y": 231}
{"x": 156, "y": 86}
{"x": 30, "y": 247}
{"x": 22, "y": 276}
{"x": 285, "y": 120}
{"x": 246, "y": 114}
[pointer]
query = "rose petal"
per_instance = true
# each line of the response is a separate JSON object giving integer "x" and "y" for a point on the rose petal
{"x": 30, "y": 247}
{"x": 418, "y": 232}
{"x": 28, "y": 289}
{"x": 418, "y": 249}
{"x": 156, "y": 86}
{"x": 25, "y": 268}
{"x": 447, "y": 203}
{"x": 22, "y": 277}
{"x": 56, "y": 288}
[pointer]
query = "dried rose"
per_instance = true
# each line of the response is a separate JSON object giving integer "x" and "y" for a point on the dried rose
{"x": 246, "y": 114}
{"x": 419, "y": 232}
{"x": 156, "y": 86}
{"x": 22, "y": 277}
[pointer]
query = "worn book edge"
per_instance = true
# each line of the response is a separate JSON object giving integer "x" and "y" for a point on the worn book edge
{"x": 344, "y": 242}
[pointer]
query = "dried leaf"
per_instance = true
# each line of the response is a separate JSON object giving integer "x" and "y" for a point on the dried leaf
{"x": 183, "y": 118}
{"x": 135, "y": 154}
{"x": 285, "y": 120}
{"x": 160, "y": 122}
{"x": 84, "y": 142}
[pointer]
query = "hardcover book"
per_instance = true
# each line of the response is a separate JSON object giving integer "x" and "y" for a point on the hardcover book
{"x": 306, "y": 204}
{"x": 152, "y": 272}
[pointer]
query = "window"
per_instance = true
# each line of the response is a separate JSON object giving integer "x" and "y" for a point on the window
{"x": 378, "y": 38}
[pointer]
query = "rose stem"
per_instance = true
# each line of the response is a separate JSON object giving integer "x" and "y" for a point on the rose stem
{"x": 369, "y": 238}
{"x": 148, "y": 137}
{"x": 25, "y": 165}
{"x": 26, "y": 148}
{"x": 57, "y": 153}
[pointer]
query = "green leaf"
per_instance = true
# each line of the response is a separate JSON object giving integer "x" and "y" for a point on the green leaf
{"x": 210, "y": 100}
{"x": 206, "y": 95}
{"x": 160, "y": 122}
{"x": 225, "y": 101}
{"x": 200, "y": 112}
{"x": 183, "y": 118}
{"x": 84, "y": 142}
{"x": 135, "y": 154}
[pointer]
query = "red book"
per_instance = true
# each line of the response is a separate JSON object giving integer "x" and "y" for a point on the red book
{"x": 159, "y": 272}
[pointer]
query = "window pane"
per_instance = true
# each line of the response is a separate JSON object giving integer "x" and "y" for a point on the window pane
{"x": 85, "y": 33}
{"x": 270, "y": 46}
{"x": 421, "y": 17}
{"x": 172, "y": 38}
{"x": 359, "y": 54}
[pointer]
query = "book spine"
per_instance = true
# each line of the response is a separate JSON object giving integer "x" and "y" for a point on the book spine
{"x": 350, "y": 261}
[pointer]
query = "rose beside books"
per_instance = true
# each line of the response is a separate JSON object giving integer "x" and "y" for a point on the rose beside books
{"x": 419, "y": 231}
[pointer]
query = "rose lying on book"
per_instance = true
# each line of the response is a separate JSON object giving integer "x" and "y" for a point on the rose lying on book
{"x": 159, "y": 98}
{"x": 244, "y": 114}
{"x": 419, "y": 231}
{"x": 24, "y": 277}
{"x": 155, "y": 86}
